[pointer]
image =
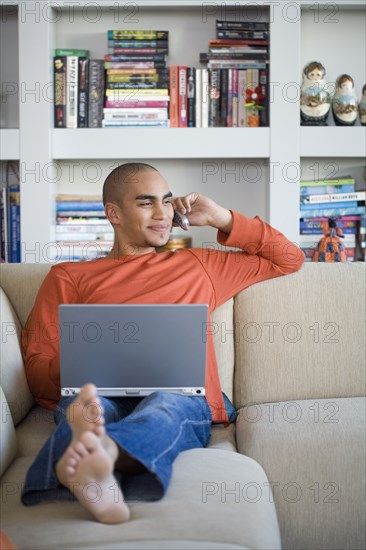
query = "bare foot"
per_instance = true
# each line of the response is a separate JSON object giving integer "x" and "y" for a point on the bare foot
{"x": 86, "y": 468}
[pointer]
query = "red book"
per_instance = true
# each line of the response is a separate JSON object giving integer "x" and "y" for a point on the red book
{"x": 173, "y": 92}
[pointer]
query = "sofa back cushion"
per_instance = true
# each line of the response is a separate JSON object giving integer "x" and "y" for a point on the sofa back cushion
{"x": 222, "y": 328}
{"x": 21, "y": 283}
{"x": 301, "y": 336}
{"x": 13, "y": 380}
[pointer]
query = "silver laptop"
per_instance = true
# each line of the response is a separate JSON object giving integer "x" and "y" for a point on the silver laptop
{"x": 133, "y": 349}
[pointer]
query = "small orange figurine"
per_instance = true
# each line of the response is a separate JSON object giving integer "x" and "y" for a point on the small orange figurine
{"x": 330, "y": 248}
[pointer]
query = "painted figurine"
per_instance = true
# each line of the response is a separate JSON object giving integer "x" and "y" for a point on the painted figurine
{"x": 362, "y": 107}
{"x": 314, "y": 99}
{"x": 344, "y": 102}
{"x": 330, "y": 248}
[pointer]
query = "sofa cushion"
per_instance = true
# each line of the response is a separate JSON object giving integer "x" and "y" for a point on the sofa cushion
{"x": 34, "y": 430}
{"x": 38, "y": 425}
{"x": 8, "y": 443}
{"x": 295, "y": 339}
{"x": 313, "y": 451}
{"x": 222, "y": 328}
{"x": 213, "y": 498}
{"x": 13, "y": 380}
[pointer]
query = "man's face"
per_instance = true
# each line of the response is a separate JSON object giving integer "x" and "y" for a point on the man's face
{"x": 146, "y": 212}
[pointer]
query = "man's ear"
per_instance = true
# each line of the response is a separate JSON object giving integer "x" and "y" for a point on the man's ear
{"x": 112, "y": 213}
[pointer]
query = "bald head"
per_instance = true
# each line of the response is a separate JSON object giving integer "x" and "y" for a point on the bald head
{"x": 119, "y": 180}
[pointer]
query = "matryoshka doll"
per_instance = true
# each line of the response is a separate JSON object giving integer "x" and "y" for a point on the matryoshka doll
{"x": 344, "y": 102}
{"x": 362, "y": 107}
{"x": 315, "y": 98}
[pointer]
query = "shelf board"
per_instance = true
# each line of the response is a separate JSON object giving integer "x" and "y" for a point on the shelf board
{"x": 333, "y": 141}
{"x": 9, "y": 144}
{"x": 171, "y": 143}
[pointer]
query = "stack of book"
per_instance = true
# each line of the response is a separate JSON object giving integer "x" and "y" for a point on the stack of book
{"x": 330, "y": 198}
{"x": 10, "y": 215}
{"x": 82, "y": 229}
{"x": 78, "y": 89}
{"x": 10, "y": 224}
{"x": 232, "y": 87}
{"x": 137, "y": 78}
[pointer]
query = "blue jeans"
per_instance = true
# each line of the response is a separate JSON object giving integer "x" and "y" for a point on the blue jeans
{"x": 153, "y": 430}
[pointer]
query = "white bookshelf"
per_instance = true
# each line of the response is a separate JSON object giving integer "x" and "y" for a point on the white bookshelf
{"x": 275, "y": 154}
{"x": 178, "y": 143}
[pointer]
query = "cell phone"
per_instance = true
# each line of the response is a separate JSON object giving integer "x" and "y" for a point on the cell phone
{"x": 181, "y": 220}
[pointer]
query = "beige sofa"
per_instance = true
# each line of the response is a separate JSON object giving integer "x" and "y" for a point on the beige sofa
{"x": 295, "y": 369}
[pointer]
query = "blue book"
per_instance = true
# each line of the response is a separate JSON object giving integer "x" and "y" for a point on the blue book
{"x": 321, "y": 205}
{"x": 327, "y": 189}
{"x": 325, "y": 213}
{"x": 14, "y": 224}
{"x": 79, "y": 205}
{"x": 319, "y": 231}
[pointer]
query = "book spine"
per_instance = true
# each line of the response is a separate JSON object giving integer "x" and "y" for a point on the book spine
{"x": 78, "y": 205}
{"x": 335, "y": 197}
{"x": 229, "y": 115}
{"x": 110, "y": 123}
{"x": 14, "y": 224}
{"x": 326, "y": 212}
{"x": 72, "y": 52}
{"x": 223, "y": 98}
{"x": 205, "y": 98}
{"x": 136, "y": 104}
{"x": 264, "y": 88}
{"x": 137, "y": 51}
{"x": 241, "y": 35}
{"x": 148, "y": 92}
{"x": 242, "y": 112}
{"x": 136, "y": 116}
{"x": 315, "y": 183}
{"x": 214, "y": 98}
{"x": 4, "y": 225}
{"x": 151, "y": 75}
{"x": 83, "y": 92}
{"x": 113, "y": 83}
{"x": 327, "y": 189}
{"x": 84, "y": 236}
{"x": 137, "y": 35}
{"x": 71, "y": 91}
{"x": 249, "y": 76}
{"x": 96, "y": 93}
{"x": 235, "y": 98}
{"x": 319, "y": 205}
{"x": 191, "y": 96}
{"x": 158, "y": 58}
{"x": 319, "y": 230}
{"x": 313, "y": 224}
{"x": 138, "y": 44}
{"x": 227, "y": 64}
{"x": 59, "y": 80}
{"x": 182, "y": 97}
{"x": 100, "y": 214}
{"x": 198, "y": 98}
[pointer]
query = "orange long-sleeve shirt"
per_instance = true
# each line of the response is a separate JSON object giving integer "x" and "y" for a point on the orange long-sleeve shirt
{"x": 205, "y": 276}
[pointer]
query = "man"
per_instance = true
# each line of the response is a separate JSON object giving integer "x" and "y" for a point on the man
{"x": 97, "y": 439}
